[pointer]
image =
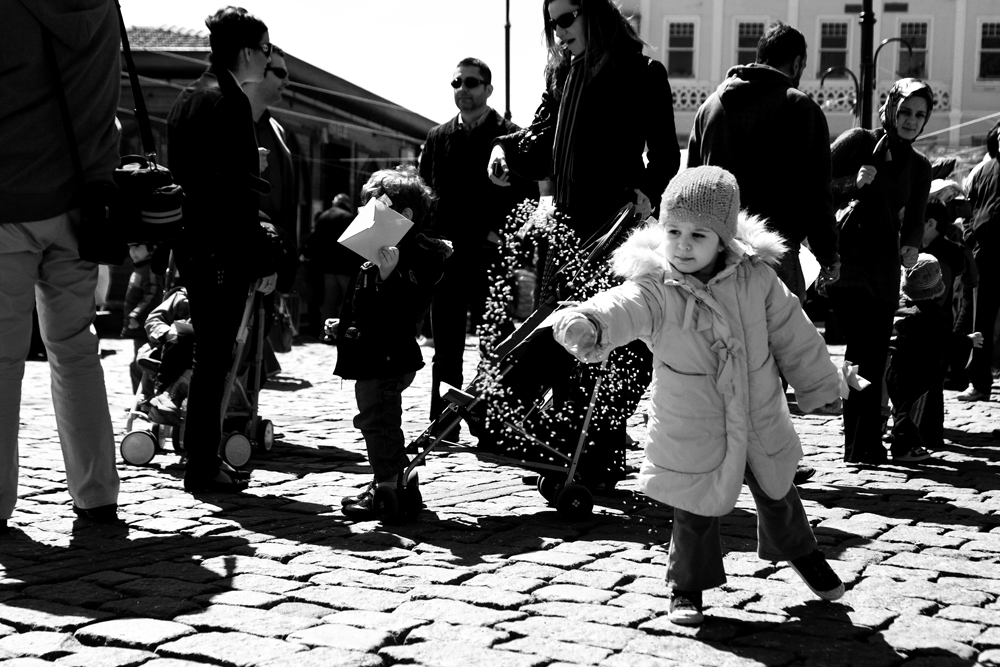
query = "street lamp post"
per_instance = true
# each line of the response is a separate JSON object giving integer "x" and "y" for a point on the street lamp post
{"x": 506, "y": 114}
{"x": 867, "y": 20}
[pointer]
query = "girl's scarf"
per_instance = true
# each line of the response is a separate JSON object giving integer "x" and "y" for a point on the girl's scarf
{"x": 563, "y": 145}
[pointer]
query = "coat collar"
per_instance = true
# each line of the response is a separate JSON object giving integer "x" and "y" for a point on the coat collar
{"x": 642, "y": 254}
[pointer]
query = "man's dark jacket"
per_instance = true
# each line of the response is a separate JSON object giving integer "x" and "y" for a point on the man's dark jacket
{"x": 776, "y": 142}
{"x": 454, "y": 164}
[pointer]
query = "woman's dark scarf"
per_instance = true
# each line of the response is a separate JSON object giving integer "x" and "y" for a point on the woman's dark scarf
{"x": 562, "y": 148}
{"x": 900, "y": 91}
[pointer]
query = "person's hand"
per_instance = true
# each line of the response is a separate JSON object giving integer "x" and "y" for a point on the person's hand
{"x": 827, "y": 275}
{"x": 496, "y": 168}
{"x": 266, "y": 285}
{"x": 133, "y": 323}
{"x": 388, "y": 258}
{"x": 977, "y": 339}
{"x": 576, "y": 333}
{"x": 908, "y": 255}
{"x": 643, "y": 207}
{"x": 262, "y": 158}
{"x": 865, "y": 176}
{"x": 834, "y": 407}
{"x": 171, "y": 334}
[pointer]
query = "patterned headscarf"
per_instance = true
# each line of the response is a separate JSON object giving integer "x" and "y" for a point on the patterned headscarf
{"x": 901, "y": 90}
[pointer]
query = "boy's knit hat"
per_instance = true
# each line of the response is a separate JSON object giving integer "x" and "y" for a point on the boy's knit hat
{"x": 706, "y": 196}
{"x": 923, "y": 280}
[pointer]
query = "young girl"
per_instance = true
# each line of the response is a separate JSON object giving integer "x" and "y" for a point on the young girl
{"x": 700, "y": 293}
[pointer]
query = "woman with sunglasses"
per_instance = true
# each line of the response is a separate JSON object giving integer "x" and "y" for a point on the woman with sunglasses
{"x": 224, "y": 250}
{"x": 604, "y": 105}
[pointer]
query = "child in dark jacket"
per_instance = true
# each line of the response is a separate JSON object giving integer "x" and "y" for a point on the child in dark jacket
{"x": 376, "y": 344}
{"x": 918, "y": 359}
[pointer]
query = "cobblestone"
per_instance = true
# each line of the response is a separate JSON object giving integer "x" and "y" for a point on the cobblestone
{"x": 489, "y": 574}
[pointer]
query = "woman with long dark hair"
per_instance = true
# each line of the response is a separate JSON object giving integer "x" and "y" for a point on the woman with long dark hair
{"x": 885, "y": 183}
{"x": 213, "y": 154}
{"x": 604, "y": 105}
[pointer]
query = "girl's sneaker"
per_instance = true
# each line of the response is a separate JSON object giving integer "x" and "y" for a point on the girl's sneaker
{"x": 818, "y": 575}
{"x": 685, "y": 608}
{"x": 913, "y": 455}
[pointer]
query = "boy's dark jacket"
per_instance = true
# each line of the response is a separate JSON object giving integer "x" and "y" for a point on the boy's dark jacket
{"x": 377, "y": 333}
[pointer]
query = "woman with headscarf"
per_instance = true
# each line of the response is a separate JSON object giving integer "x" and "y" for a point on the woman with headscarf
{"x": 604, "y": 104}
{"x": 884, "y": 184}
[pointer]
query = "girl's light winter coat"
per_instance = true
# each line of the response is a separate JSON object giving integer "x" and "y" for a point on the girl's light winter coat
{"x": 717, "y": 400}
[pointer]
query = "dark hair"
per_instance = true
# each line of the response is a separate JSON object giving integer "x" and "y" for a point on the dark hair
{"x": 231, "y": 29}
{"x": 993, "y": 141}
{"x": 404, "y": 187}
{"x": 277, "y": 50}
{"x": 606, "y": 25}
{"x": 484, "y": 69}
{"x": 940, "y": 214}
{"x": 780, "y": 45}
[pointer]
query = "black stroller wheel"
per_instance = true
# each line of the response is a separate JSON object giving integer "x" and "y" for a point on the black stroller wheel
{"x": 386, "y": 504}
{"x": 575, "y": 501}
{"x": 548, "y": 487}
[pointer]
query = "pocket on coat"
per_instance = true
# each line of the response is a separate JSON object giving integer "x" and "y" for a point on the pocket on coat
{"x": 687, "y": 430}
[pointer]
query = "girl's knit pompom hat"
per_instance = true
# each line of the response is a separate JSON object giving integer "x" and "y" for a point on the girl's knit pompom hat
{"x": 706, "y": 196}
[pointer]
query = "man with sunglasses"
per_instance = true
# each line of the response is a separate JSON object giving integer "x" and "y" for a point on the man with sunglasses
{"x": 470, "y": 211}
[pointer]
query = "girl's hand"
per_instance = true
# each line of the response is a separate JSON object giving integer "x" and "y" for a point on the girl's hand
{"x": 865, "y": 176}
{"x": 908, "y": 255}
{"x": 643, "y": 207}
{"x": 388, "y": 258}
{"x": 575, "y": 333}
{"x": 496, "y": 168}
{"x": 977, "y": 339}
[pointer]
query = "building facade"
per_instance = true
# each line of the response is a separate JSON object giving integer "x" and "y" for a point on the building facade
{"x": 955, "y": 48}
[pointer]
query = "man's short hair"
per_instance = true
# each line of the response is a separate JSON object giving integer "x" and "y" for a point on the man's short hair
{"x": 780, "y": 45}
{"x": 939, "y": 213}
{"x": 231, "y": 29}
{"x": 403, "y": 186}
{"x": 484, "y": 69}
{"x": 993, "y": 141}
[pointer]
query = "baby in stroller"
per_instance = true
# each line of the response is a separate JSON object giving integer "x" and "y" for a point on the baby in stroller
{"x": 169, "y": 356}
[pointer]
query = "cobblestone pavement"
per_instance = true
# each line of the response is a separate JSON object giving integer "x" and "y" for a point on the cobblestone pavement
{"x": 489, "y": 574}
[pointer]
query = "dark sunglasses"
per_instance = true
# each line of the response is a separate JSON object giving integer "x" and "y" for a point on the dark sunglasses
{"x": 279, "y": 72}
{"x": 564, "y": 21}
{"x": 264, "y": 48}
{"x": 470, "y": 82}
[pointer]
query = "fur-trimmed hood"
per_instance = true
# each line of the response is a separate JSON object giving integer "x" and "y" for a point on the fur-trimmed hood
{"x": 643, "y": 253}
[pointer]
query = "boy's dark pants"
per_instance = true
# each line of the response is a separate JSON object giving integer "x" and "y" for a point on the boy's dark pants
{"x": 917, "y": 409}
{"x": 695, "y": 559}
{"x": 380, "y": 420}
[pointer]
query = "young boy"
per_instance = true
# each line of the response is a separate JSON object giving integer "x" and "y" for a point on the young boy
{"x": 169, "y": 330}
{"x": 700, "y": 290}
{"x": 376, "y": 345}
{"x": 918, "y": 358}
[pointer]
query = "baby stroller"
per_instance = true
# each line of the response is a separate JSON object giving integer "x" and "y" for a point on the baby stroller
{"x": 242, "y": 427}
{"x": 512, "y": 364}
